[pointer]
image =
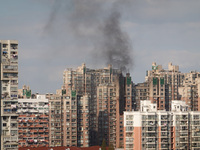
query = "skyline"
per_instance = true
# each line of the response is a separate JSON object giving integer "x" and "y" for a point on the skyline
{"x": 159, "y": 31}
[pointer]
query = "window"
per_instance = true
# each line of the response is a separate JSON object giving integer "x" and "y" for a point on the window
{"x": 129, "y": 122}
{"x": 129, "y": 117}
{"x": 129, "y": 128}
{"x": 4, "y": 45}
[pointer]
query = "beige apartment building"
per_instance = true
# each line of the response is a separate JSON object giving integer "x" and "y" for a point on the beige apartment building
{"x": 68, "y": 120}
{"x": 89, "y": 107}
{"x": 190, "y": 90}
{"x": 163, "y": 85}
{"x": 141, "y": 92}
{"x": 55, "y": 120}
{"x": 150, "y": 129}
{"x": 9, "y": 87}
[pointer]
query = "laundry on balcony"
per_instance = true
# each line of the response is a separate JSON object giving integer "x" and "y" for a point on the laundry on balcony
{"x": 13, "y": 106}
{"x": 35, "y": 141}
{"x": 15, "y": 56}
{"x": 4, "y": 52}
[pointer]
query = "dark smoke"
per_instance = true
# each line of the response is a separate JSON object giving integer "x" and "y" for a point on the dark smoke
{"x": 97, "y": 23}
{"x": 52, "y": 18}
{"x": 116, "y": 46}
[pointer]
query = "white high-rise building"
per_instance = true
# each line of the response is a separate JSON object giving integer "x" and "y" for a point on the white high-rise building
{"x": 33, "y": 122}
{"x": 9, "y": 98}
{"x": 151, "y": 129}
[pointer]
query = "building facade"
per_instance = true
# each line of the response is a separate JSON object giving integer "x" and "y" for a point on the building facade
{"x": 150, "y": 128}
{"x": 55, "y": 120}
{"x": 68, "y": 120}
{"x": 93, "y": 101}
{"x": 141, "y": 92}
{"x": 164, "y": 84}
{"x": 33, "y": 122}
{"x": 9, "y": 87}
{"x": 189, "y": 91}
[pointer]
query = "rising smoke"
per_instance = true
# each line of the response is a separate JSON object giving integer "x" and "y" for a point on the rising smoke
{"x": 98, "y": 23}
{"x": 116, "y": 47}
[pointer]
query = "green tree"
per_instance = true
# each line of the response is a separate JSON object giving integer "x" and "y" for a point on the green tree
{"x": 111, "y": 147}
{"x": 103, "y": 146}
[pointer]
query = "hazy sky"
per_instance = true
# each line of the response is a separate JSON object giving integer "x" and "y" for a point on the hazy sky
{"x": 54, "y": 36}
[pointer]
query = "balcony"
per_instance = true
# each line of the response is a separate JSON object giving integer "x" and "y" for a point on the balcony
{"x": 150, "y": 129}
{"x": 129, "y": 140}
{"x": 164, "y": 134}
{"x": 7, "y": 70}
{"x": 150, "y": 135}
{"x": 183, "y": 141}
{"x": 164, "y": 129}
{"x": 184, "y": 134}
{"x": 164, "y": 146}
{"x": 196, "y": 140}
{"x": 164, "y": 123}
{"x": 150, "y": 146}
{"x": 196, "y": 145}
{"x": 196, "y": 134}
{"x": 14, "y": 61}
{"x": 10, "y": 112}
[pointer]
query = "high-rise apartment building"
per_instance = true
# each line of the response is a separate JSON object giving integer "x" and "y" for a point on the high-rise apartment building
{"x": 90, "y": 107}
{"x": 189, "y": 91}
{"x": 150, "y": 128}
{"x": 141, "y": 92}
{"x": 9, "y": 87}
{"x": 33, "y": 122}
{"x": 69, "y": 120}
{"x": 164, "y": 84}
{"x": 55, "y": 120}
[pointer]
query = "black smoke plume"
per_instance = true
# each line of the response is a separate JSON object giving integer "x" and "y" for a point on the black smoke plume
{"x": 116, "y": 46}
{"x": 97, "y": 23}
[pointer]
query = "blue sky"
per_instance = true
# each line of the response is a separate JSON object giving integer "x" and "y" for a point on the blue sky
{"x": 159, "y": 30}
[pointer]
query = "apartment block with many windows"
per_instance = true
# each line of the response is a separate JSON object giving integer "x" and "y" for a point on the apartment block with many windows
{"x": 33, "y": 122}
{"x": 164, "y": 84}
{"x": 141, "y": 92}
{"x": 55, "y": 120}
{"x": 68, "y": 119}
{"x": 150, "y": 129}
{"x": 190, "y": 90}
{"x": 9, "y": 87}
{"x": 109, "y": 94}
